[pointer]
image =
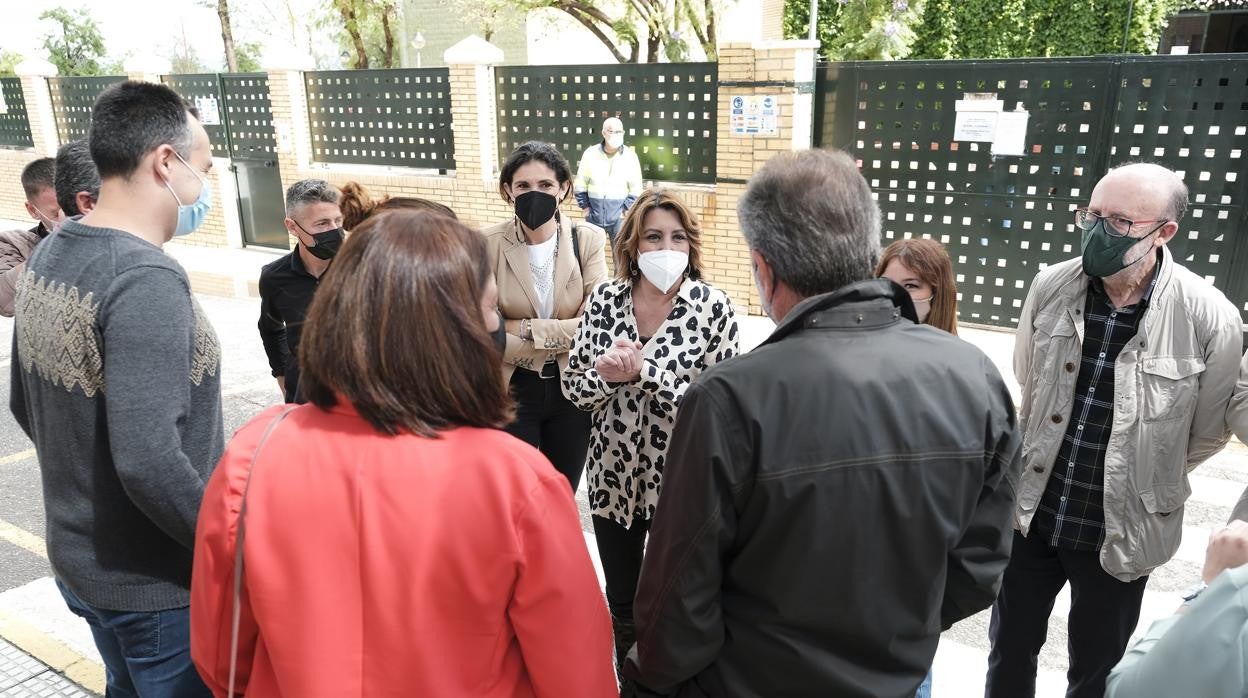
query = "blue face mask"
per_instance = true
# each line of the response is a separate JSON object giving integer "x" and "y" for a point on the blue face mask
{"x": 190, "y": 216}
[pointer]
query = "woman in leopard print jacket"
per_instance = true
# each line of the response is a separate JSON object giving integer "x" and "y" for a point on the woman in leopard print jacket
{"x": 643, "y": 338}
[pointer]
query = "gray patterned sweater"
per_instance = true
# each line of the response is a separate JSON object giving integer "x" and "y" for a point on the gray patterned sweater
{"x": 116, "y": 378}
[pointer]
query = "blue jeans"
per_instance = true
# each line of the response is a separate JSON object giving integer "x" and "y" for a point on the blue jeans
{"x": 145, "y": 654}
{"x": 925, "y": 688}
{"x": 611, "y": 230}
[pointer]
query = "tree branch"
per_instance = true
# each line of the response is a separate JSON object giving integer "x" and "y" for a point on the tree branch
{"x": 588, "y": 22}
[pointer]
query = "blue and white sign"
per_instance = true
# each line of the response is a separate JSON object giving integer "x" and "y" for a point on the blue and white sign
{"x": 755, "y": 115}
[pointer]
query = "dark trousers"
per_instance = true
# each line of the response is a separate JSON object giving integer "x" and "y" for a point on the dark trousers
{"x": 1103, "y": 613}
{"x": 145, "y": 654}
{"x": 621, "y": 550}
{"x": 549, "y": 422}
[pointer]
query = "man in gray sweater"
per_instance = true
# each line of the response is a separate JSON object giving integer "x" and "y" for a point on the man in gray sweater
{"x": 116, "y": 379}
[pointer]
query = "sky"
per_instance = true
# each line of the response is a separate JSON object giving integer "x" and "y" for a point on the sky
{"x": 152, "y": 27}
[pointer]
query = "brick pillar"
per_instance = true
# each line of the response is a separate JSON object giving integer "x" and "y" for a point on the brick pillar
{"x": 34, "y": 74}
{"x": 780, "y": 69}
{"x": 471, "y": 63}
{"x": 288, "y": 101}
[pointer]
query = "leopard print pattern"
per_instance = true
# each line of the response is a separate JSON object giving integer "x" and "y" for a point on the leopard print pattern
{"x": 632, "y": 422}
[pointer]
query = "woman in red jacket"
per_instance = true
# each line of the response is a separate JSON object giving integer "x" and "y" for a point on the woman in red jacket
{"x": 396, "y": 543}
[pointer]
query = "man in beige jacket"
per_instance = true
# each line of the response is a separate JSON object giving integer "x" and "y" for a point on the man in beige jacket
{"x": 16, "y": 245}
{"x": 1127, "y": 362}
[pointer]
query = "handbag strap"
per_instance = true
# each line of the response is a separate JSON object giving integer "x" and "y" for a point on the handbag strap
{"x": 238, "y": 547}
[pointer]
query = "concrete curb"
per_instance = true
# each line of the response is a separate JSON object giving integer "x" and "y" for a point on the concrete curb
{"x": 57, "y": 655}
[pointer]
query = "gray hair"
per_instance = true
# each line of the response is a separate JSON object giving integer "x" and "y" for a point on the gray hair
{"x": 75, "y": 172}
{"x": 811, "y": 216}
{"x": 310, "y": 191}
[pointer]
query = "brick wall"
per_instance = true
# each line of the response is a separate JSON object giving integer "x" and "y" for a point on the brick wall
{"x": 12, "y": 198}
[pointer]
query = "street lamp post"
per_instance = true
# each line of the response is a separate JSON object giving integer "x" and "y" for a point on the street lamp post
{"x": 418, "y": 43}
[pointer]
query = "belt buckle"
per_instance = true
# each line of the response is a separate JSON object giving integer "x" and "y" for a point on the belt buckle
{"x": 553, "y": 373}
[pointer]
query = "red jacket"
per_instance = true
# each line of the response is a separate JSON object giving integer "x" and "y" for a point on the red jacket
{"x": 396, "y": 566}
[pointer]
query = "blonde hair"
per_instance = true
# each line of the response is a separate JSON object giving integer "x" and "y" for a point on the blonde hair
{"x": 931, "y": 262}
{"x": 629, "y": 239}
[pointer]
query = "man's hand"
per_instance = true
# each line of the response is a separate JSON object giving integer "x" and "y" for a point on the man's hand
{"x": 281, "y": 384}
{"x": 1228, "y": 549}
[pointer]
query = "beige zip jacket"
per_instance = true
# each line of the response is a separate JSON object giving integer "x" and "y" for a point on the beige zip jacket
{"x": 1173, "y": 383}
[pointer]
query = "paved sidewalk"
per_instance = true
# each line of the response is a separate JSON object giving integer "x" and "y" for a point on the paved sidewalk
{"x": 22, "y": 675}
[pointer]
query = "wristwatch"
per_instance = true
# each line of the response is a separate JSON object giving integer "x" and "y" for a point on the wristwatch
{"x": 1190, "y": 595}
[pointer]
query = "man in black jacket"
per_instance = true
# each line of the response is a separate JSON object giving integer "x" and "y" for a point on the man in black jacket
{"x": 836, "y": 497}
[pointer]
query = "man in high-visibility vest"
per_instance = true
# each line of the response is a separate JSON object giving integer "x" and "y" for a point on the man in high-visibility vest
{"x": 608, "y": 179}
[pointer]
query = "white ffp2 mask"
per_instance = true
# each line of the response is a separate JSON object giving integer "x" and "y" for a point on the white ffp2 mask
{"x": 663, "y": 268}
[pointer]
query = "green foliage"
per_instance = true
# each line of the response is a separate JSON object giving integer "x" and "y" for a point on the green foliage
{"x": 9, "y": 61}
{"x": 857, "y": 29}
{"x": 249, "y": 57}
{"x": 366, "y": 31}
{"x": 75, "y": 46}
{"x": 1022, "y": 28}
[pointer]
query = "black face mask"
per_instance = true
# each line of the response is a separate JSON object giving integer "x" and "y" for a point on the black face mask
{"x": 500, "y": 335}
{"x": 535, "y": 208}
{"x": 327, "y": 243}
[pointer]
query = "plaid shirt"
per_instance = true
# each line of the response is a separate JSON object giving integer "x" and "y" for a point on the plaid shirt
{"x": 1071, "y": 513}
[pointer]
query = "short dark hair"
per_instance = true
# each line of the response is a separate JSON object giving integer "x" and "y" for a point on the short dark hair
{"x": 130, "y": 120}
{"x": 528, "y": 152}
{"x": 75, "y": 172}
{"x": 811, "y": 215}
{"x": 38, "y": 176}
{"x": 396, "y": 329}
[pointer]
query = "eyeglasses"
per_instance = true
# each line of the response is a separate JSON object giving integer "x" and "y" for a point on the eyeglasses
{"x": 1115, "y": 226}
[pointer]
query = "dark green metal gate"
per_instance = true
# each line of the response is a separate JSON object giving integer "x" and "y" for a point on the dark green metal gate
{"x": 1005, "y": 217}
{"x": 244, "y": 133}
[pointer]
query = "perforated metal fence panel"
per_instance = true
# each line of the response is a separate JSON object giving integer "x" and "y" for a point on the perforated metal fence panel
{"x": 72, "y": 101}
{"x": 249, "y": 116}
{"x": 1005, "y": 217}
{"x": 204, "y": 90}
{"x": 382, "y": 117}
{"x": 14, "y": 125}
{"x": 668, "y": 110}
{"x": 1192, "y": 115}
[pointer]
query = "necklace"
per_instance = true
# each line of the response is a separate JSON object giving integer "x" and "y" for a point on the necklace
{"x": 544, "y": 273}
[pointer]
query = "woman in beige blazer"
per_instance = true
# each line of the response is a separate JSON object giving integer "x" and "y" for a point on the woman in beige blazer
{"x": 546, "y": 267}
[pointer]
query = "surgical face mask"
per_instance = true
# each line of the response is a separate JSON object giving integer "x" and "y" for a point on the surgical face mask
{"x": 327, "y": 243}
{"x": 663, "y": 268}
{"x": 922, "y": 308}
{"x": 1104, "y": 254}
{"x": 535, "y": 208}
{"x": 47, "y": 221}
{"x": 190, "y": 216}
{"x": 615, "y": 141}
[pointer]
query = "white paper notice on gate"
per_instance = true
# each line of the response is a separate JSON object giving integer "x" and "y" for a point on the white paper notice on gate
{"x": 1011, "y": 137}
{"x": 209, "y": 111}
{"x": 976, "y": 119}
{"x": 4, "y": 108}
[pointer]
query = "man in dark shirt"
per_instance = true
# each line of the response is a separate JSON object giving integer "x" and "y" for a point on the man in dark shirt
{"x": 287, "y": 284}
